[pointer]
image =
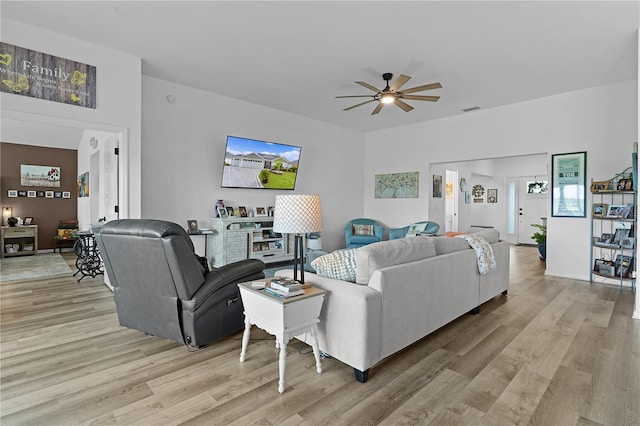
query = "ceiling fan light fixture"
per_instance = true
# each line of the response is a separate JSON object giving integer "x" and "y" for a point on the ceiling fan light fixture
{"x": 387, "y": 98}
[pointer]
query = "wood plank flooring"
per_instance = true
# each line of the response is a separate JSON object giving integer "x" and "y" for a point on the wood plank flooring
{"x": 553, "y": 352}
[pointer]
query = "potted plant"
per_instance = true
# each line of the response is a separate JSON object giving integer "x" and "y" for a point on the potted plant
{"x": 540, "y": 237}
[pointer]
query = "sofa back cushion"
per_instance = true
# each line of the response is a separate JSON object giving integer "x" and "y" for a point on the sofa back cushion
{"x": 446, "y": 245}
{"x": 393, "y": 252}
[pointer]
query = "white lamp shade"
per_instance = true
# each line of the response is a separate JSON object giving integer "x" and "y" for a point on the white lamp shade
{"x": 297, "y": 214}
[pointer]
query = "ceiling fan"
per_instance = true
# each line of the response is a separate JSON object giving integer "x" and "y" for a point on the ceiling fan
{"x": 393, "y": 94}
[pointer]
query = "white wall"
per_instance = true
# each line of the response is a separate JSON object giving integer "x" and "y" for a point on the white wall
{"x": 600, "y": 120}
{"x": 118, "y": 97}
{"x": 183, "y": 155}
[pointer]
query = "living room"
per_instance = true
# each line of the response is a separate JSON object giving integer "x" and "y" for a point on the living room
{"x": 173, "y": 150}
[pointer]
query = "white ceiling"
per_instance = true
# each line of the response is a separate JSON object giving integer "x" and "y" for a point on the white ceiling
{"x": 297, "y": 56}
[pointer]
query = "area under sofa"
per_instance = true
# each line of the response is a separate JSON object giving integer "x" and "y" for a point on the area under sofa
{"x": 404, "y": 290}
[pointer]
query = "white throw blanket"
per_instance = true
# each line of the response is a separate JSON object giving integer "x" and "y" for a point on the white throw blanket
{"x": 484, "y": 253}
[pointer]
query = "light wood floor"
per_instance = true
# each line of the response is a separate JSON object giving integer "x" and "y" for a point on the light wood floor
{"x": 553, "y": 352}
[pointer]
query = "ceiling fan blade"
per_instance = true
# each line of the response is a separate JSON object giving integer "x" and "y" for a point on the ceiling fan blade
{"x": 421, "y": 88}
{"x": 368, "y": 86}
{"x": 357, "y": 105}
{"x": 420, "y": 97}
{"x": 356, "y": 96}
{"x": 400, "y": 81}
{"x": 377, "y": 108}
{"x": 406, "y": 107}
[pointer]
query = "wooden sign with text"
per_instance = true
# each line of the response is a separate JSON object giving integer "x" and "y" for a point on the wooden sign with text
{"x": 39, "y": 75}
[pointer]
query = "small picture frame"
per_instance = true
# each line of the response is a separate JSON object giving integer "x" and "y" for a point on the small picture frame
{"x": 40, "y": 194}
{"x": 22, "y": 193}
{"x": 243, "y": 211}
{"x": 28, "y": 220}
{"x": 66, "y": 194}
{"x": 606, "y": 238}
{"x": 492, "y": 195}
{"x": 192, "y": 226}
{"x": 229, "y": 211}
{"x": 270, "y": 211}
{"x": 57, "y": 194}
{"x": 616, "y": 211}
{"x": 31, "y": 194}
{"x": 627, "y": 242}
{"x": 261, "y": 211}
{"x": 600, "y": 209}
{"x": 625, "y": 185}
{"x": 48, "y": 194}
{"x": 222, "y": 212}
{"x": 598, "y": 186}
{"x": 12, "y": 193}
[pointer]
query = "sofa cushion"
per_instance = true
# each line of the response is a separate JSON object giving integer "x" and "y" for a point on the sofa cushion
{"x": 339, "y": 265}
{"x": 393, "y": 252}
{"x": 449, "y": 245}
{"x": 491, "y": 235}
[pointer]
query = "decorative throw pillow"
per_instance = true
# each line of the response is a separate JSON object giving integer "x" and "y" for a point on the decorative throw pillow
{"x": 415, "y": 229}
{"x": 339, "y": 265}
{"x": 363, "y": 229}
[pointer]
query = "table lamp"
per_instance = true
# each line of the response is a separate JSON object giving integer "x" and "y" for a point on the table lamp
{"x": 7, "y": 212}
{"x": 297, "y": 214}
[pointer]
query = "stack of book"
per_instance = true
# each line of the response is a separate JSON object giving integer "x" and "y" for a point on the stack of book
{"x": 284, "y": 287}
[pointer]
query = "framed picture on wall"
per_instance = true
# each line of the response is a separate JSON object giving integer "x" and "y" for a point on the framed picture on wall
{"x": 569, "y": 181}
{"x": 437, "y": 186}
{"x": 31, "y": 194}
{"x": 66, "y": 194}
{"x": 48, "y": 194}
{"x": 12, "y": 193}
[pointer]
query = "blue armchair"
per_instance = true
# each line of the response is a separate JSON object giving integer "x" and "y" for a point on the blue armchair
{"x": 423, "y": 228}
{"x": 360, "y": 232}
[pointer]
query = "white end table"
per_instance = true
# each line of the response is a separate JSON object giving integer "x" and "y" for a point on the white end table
{"x": 283, "y": 318}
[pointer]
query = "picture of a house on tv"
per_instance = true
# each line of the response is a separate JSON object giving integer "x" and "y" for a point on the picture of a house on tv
{"x": 251, "y": 163}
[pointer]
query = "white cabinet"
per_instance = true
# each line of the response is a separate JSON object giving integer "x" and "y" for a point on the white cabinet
{"x": 238, "y": 238}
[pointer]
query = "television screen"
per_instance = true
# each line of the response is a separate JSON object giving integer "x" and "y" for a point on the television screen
{"x": 250, "y": 163}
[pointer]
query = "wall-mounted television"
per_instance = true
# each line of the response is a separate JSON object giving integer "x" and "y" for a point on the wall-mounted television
{"x": 251, "y": 163}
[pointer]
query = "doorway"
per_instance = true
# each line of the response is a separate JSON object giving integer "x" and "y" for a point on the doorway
{"x": 533, "y": 200}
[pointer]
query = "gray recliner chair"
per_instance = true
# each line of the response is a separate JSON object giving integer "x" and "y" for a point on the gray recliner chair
{"x": 162, "y": 288}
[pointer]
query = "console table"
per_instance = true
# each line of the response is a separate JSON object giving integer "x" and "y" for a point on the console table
{"x": 19, "y": 240}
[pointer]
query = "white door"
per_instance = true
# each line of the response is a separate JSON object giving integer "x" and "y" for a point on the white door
{"x": 451, "y": 201}
{"x": 109, "y": 205}
{"x": 533, "y": 200}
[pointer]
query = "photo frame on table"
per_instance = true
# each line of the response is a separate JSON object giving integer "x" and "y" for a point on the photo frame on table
{"x": 243, "y": 211}
{"x": 600, "y": 209}
{"x": 192, "y": 226}
{"x": 222, "y": 212}
{"x": 28, "y": 220}
{"x": 569, "y": 182}
{"x": 616, "y": 211}
{"x": 261, "y": 211}
{"x": 229, "y": 211}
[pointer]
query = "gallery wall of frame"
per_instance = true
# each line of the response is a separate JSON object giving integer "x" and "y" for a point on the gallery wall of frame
{"x": 613, "y": 231}
{"x": 46, "y": 201}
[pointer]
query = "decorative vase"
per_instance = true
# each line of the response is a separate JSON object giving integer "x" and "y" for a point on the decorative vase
{"x": 542, "y": 248}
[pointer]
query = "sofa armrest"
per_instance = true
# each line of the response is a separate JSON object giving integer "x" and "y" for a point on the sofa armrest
{"x": 350, "y": 321}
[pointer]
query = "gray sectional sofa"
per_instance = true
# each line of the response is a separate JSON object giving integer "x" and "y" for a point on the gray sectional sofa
{"x": 404, "y": 290}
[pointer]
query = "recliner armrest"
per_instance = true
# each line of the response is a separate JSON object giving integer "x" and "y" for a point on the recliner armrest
{"x": 230, "y": 274}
